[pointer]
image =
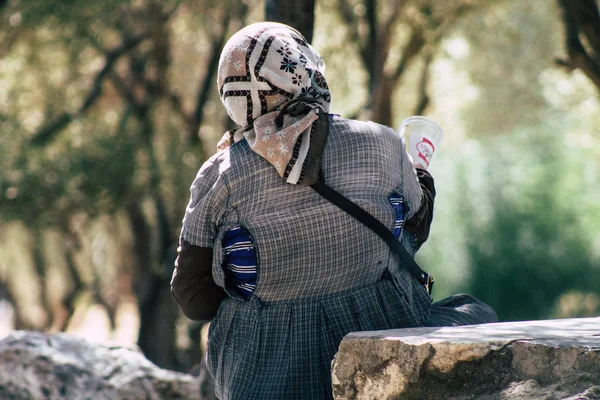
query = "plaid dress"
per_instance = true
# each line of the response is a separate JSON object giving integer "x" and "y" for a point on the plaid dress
{"x": 320, "y": 273}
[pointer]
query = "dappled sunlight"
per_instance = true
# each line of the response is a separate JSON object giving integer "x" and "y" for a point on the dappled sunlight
{"x": 127, "y": 323}
{"x": 457, "y": 47}
{"x": 565, "y": 332}
{"x": 93, "y": 324}
{"x": 7, "y": 316}
{"x": 577, "y": 304}
{"x": 108, "y": 111}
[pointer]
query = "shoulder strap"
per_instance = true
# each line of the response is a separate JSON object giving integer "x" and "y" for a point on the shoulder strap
{"x": 373, "y": 224}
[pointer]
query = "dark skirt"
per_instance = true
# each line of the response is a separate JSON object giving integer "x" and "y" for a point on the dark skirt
{"x": 284, "y": 350}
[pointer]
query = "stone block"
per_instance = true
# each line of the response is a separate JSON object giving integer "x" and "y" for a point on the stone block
{"x": 526, "y": 360}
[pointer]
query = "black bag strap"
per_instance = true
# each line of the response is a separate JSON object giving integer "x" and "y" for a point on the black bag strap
{"x": 373, "y": 224}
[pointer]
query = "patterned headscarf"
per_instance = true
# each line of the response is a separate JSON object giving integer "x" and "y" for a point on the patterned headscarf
{"x": 271, "y": 83}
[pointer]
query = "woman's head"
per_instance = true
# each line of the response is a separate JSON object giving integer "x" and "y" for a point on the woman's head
{"x": 265, "y": 65}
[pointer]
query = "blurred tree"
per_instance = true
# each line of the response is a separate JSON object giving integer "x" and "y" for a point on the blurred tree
{"x": 99, "y": 126}
{"x": 581, "y": 20}
{"x": 524, "y": 178}
{"x": 525, "y": 240}
{"x": 45, "y": 189}
{"x": 107, "y": 109}
{"x": 295, "y": 13}
{"x": 501, "y": 94}
{"x": 411, "y": 29}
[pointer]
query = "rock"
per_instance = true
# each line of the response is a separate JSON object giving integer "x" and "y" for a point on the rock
{"x": 527, "y": 360}
{"x": 38, "y": 366}
{"x": 207, "y": 385}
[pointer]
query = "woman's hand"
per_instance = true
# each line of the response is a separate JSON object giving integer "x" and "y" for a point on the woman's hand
{"x": 420, "y": 223}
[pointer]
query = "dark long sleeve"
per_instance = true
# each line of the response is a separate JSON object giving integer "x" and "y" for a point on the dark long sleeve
{"x": 192, "y": 284}
{"x": 420, "y": 223}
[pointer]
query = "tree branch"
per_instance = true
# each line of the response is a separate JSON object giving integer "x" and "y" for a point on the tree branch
{"x": 121, "y": 128}
{"x": 40, "y": 268}
{"x": 415, "y": 44}
{"x": 349, "y": 17}
{"x": 207, "y": 86}
{"x": 69, "y": 298}
{"x": 588, "y": 20}
{"x": 48, "y": 132}
{"x": 128, "y": 93}
{"x": 207, "y": 83}
{"x": 441, "y": 27}
{"x": 371, "y": 17}
{"x": 173, "y": 98}
{"x": 424, "y": 99}
{"x": 578, "y": 55}
{"x": 375, "y": 50}
{"x": 298, "y": 14}
{"x": 167, "y": 14}
{"x": 384, "y": 35}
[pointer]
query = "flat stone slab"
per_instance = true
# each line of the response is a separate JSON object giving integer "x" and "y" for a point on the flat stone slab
{"x": 529, "y": 360}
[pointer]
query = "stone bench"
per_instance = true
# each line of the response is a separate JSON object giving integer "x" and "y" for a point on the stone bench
{"x": 553, "y": 359}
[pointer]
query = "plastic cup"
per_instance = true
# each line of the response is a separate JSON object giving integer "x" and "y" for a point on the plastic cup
{"x": 421, "y": 136}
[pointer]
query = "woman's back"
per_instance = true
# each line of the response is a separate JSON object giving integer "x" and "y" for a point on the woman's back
{"x": 320, "y": 273}
{"x": 306, "y": 246}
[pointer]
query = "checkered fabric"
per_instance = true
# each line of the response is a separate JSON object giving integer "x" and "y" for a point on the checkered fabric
{"x": 321, "y": 273}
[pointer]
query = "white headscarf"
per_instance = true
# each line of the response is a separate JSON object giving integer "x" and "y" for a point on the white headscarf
{"x": 262, "y": 68}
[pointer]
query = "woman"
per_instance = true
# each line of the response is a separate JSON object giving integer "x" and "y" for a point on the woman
{"x": 292, "y": 272}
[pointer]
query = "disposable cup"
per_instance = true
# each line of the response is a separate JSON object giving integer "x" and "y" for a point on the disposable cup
{"x": 421, "y": 136}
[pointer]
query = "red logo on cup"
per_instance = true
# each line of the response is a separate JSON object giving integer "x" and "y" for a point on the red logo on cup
{"x": 425, "y": 148}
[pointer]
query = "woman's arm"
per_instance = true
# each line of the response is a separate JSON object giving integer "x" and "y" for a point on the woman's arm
{"x": 193, "y": 286}
{"x": 419, "y": 224}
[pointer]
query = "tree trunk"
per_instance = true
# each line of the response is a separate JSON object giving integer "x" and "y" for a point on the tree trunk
{"x": 158, "y": 314}
{"x": 71, "y": 244}
{"x": 6, "y": 294}
{"x": 382, "y": 101}
{"x": 299, "y": 14}
{"x": 40, "y": 267}
{"x": 581, "y": 20}
{"x": 158, "y": 311}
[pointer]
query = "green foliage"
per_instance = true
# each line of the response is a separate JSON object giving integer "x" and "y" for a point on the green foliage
{"x": 529, "y": 249}
{"x": 519, "y": 214}
{"x": 43, "y": 186}
{"x": 578, "y": 304}
{"x": 517, "y": 174}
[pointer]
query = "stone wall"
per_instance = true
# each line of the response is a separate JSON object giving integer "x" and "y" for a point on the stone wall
{"x": 529, "y": 360}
